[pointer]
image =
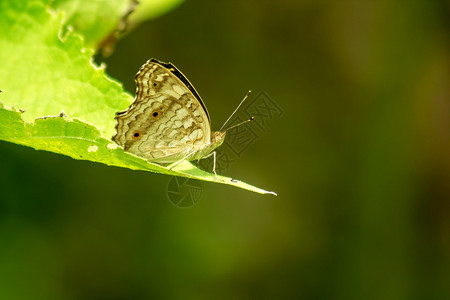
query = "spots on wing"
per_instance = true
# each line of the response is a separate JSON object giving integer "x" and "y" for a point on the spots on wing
{"x": 146, "y": 130}
{"x": 149, "y": 80}
{"x": 156, "y": 113}
{"x": 136, "y": 135}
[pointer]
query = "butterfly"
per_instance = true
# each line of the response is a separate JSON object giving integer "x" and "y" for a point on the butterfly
{"x": 168, "y": 121}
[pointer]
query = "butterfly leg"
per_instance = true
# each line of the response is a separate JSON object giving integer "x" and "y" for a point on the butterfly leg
{"x": 214, "y": 166}
{"x": 214, "y": 162}
{"x": 207, "y": 156}
{"x": 173, "y": 165}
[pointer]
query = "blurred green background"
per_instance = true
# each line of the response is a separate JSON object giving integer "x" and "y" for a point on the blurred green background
{"x": 360, "y": 160}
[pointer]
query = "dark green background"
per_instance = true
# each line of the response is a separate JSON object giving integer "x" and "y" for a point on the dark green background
{"x": 360, "y": 160}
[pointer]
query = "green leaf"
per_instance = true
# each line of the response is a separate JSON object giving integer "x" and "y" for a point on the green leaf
{"x": 149, "y": 9}
{"x": 44, "y": 73}
{"x": 67, "y": 105}
{"x": 95, "y": 19}
{"x": 98, "y": 19}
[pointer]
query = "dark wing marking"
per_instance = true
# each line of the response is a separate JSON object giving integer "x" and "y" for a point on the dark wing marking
{"x": 174, "y": 70}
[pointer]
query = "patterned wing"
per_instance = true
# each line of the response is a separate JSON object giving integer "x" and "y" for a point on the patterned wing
{"x": 167, "y": 120}
{"x": 155, "y": 76}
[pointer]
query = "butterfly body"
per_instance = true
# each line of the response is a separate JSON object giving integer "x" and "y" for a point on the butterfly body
{"x": 168, "y": 122}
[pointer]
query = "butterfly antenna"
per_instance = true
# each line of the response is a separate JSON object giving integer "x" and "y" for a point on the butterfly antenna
{"x": 248, "y": 93}
{"x": 239, "y": 124}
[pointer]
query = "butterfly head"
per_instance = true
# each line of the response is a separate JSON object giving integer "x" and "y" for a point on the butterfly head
{"x": 217, "y": 138}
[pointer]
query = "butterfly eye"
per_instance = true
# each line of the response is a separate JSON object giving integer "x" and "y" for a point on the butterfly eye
{"x": 155, "y": 84}
{"x": 136, "y": 135}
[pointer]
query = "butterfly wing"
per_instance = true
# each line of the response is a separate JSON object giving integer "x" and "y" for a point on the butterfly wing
{"x": 154, "y": 76}
{"x": 167, "y": 120}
